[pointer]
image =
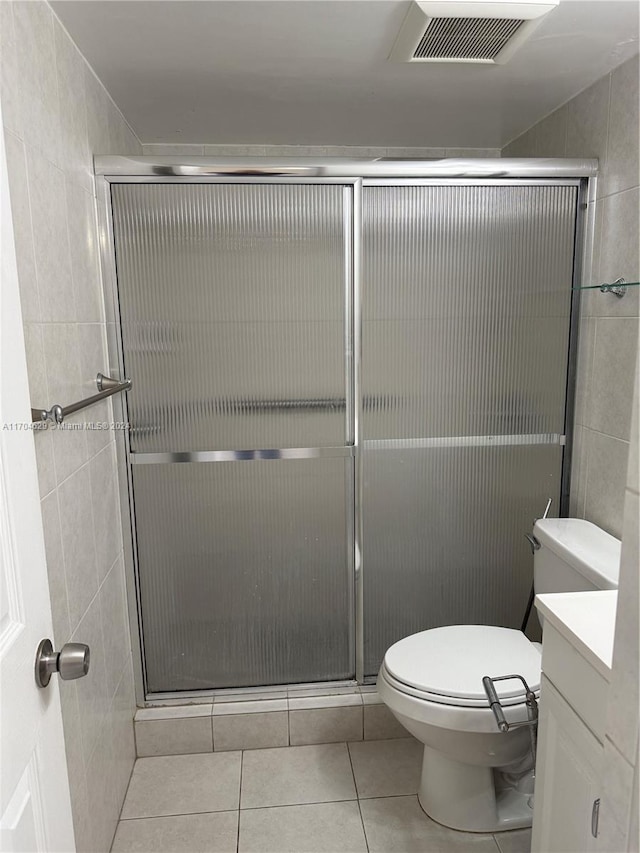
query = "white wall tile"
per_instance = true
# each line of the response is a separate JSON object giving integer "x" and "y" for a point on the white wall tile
{"x": 606, "y": 476}
{"x": 173, "y": 712}
{"x": 9, "y": 89}
{"x": 250, "y": 731}
{"x": 621, "y": 170}
{"x": 472, "y": 152}
{"x": 22, "y": 230}
{"x": 162, "y": 149}
{"x": 60, "y": 114}
{"x": 623, "y": 701}
{"x": 551, "y": 134}
{"x": 106, "y": 509}
{"x": 83, "y": 251}
{"x": 43, "y": 440}
{"x": 380, "y": 724}
{"x": 76, "y": 520}
{"x": 62, "y": 360}
{"x": 98, "y": 115}
{"x": 74, "y": 150}
{"x": 609, "y": 399}
{"x": 221, "y": 709}
{"x": 55, "y": 570}
{"x": 173, "y": 737}
{"x": 618, "y": 255}
{"x": 325, "y": 725}
{"x": 101, "y": 791}
{"x": 72, "y": 736}
{"x": 51, "y": 239}
{"x": 123, "y": 743}
{"x": 587, "y": 121}
{"x": 633, "y": 471}
{"x": 37, "y": 81}
{"x": 115, "y": 626}
{"x": 36, "y": 369}
{"x": 93, "y": 699}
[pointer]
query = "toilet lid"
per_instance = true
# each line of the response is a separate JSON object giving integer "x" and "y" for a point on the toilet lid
{"x": 452, "y": 661}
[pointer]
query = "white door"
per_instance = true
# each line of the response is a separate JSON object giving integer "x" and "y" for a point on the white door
{"x": 35, "y": 809}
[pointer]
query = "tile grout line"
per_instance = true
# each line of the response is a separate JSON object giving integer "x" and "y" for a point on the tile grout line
{"x": 355, "y": 784}
{"x": 239, "y": 799}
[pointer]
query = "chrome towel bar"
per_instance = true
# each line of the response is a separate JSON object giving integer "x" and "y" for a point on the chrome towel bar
{"x": 106, "y": 388}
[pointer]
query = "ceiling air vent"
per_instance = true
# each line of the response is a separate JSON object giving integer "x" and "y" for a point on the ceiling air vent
{"x": 471, "y": 31}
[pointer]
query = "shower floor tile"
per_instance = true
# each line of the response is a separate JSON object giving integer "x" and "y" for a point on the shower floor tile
{"x": 299, "y": 799}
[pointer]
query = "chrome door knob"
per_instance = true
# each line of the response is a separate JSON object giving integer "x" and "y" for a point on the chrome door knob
{"x": 72, "y": 661}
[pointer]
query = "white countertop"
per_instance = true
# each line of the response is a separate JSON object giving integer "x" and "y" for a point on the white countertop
{"x": 587, "y": 620}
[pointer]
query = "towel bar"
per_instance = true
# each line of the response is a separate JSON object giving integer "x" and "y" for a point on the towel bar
{"x": 106, "y": 388}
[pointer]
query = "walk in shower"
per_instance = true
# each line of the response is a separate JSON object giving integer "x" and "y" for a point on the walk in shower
{"x": 351, "y": 397}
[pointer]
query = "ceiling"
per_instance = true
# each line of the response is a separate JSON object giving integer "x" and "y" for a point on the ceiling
{"x": 315, "y": 72}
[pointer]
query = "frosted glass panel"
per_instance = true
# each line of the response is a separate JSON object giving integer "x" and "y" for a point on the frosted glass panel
{"x": 466, "y": 302}
{"x": 466, "y": 314}
{"x": 444, "y": 537}
{"x": 244, "y": 572}
{"x": 232, "y": 305}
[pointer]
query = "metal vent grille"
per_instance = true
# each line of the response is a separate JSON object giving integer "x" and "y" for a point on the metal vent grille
{"x": 466, "y": 38}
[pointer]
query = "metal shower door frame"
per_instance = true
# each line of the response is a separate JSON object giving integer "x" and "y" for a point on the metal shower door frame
{"x": 354, "y": 175}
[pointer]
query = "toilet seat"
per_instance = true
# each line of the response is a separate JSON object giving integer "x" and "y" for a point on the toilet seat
{"x": 446, "y": 665}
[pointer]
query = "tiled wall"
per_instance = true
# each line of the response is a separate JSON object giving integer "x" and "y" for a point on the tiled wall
{"x": 315, "y": 151}
{"x": 295, "y": 718}
{"x": 619, "y": 810}
{"x": 602, "y": 122}
{"x": 56, "y": 115}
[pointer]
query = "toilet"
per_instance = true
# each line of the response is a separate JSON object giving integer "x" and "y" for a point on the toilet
{"x": 474, "y": 777}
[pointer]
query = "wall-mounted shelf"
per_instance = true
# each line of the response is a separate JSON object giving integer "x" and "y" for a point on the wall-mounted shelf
{"x": 618, "y": 287}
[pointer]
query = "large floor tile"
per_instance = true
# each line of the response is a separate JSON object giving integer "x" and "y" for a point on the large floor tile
{"x": 399, "y": 824}
{"x": 196, "y": 833}
{"x": 387, "y": 768}
{"x": 183, "y": 784}
{"x": 318, "y": 828}
{"x": 515, "y": 841}
{"x": 296, "y": 775}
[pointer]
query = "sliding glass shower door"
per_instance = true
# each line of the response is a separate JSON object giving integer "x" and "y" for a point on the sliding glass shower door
{"x": 466, "y": 299}
{"x": 275, "y": 438}
{"x": 235, "y": 307}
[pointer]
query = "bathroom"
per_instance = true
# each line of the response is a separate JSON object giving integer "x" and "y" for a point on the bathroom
{"x": 319, "y": 129}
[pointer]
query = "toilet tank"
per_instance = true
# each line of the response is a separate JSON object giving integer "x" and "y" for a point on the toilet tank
{"x": 574, "y": 555}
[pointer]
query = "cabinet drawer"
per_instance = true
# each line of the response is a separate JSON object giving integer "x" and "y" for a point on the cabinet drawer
{"x": 582, "y": 686}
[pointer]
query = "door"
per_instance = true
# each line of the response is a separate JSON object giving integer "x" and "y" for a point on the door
{"x": 466, "y": 305}
{"x": 235, "y": 310}
{"x": 35, "y": 809}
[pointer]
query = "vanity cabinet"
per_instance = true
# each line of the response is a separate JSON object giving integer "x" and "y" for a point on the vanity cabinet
{"x": 568, "y": 778}
{"x": 577, "y": 649}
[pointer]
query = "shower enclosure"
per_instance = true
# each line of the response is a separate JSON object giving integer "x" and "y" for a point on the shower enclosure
{"x": 352, "y": 396}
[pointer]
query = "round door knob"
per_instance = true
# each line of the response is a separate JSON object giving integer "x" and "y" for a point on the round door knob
{"x": 72, "y": 661}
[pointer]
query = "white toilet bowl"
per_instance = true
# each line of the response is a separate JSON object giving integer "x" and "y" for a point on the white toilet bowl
{"x": 474, "y": 777}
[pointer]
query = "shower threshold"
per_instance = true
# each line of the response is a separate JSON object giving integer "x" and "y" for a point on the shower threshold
{"x": 248, "y": 694}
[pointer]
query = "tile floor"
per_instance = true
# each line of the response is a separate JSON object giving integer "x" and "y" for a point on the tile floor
{"x": 328, "y": 798}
